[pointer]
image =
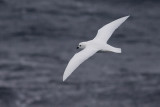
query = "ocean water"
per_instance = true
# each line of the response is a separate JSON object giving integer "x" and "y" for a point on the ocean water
{"x": 38, "y": 38}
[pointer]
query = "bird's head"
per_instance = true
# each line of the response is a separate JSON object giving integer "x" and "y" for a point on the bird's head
{"x": 81, "y": 45}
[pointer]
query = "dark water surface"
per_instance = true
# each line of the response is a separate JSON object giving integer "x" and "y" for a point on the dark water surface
{"x": 38, "y": 38}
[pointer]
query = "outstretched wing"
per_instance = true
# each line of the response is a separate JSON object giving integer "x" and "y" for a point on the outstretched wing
{"x": 77, "y": 59}
{"x": 106, "y": 31}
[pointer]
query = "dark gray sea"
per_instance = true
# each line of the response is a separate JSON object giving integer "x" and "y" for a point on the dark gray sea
{"x": 39, "y": 37}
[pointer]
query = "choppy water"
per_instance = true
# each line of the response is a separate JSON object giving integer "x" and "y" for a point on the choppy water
{"x": 38, "y": 38}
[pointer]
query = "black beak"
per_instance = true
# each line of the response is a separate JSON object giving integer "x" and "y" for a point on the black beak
{"x": 77, "y": 47}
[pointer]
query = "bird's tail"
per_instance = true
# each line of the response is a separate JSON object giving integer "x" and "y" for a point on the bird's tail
{"x": 117, "y": 50}
{"x": 113, "y": 49}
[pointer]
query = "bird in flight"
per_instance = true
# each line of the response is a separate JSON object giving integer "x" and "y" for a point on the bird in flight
{"x": 98, "y": 44}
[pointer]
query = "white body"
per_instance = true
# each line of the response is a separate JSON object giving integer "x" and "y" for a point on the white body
{"x": 99, "y": 43}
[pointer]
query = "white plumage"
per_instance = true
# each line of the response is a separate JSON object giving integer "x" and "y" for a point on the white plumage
{"x": 99, "y": 43}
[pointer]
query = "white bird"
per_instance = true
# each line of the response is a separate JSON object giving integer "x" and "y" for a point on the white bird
{"x": 99, "y": 43}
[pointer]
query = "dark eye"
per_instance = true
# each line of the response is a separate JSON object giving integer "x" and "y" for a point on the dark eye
{"x": 80, "y": 45}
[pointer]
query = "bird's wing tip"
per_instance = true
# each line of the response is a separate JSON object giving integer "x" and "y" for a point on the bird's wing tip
{"x": 64, "y": 77}
{"x": 127, "y": 16}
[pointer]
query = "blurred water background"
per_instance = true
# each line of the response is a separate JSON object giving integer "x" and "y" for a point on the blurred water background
{"x": 38, "y": 38}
